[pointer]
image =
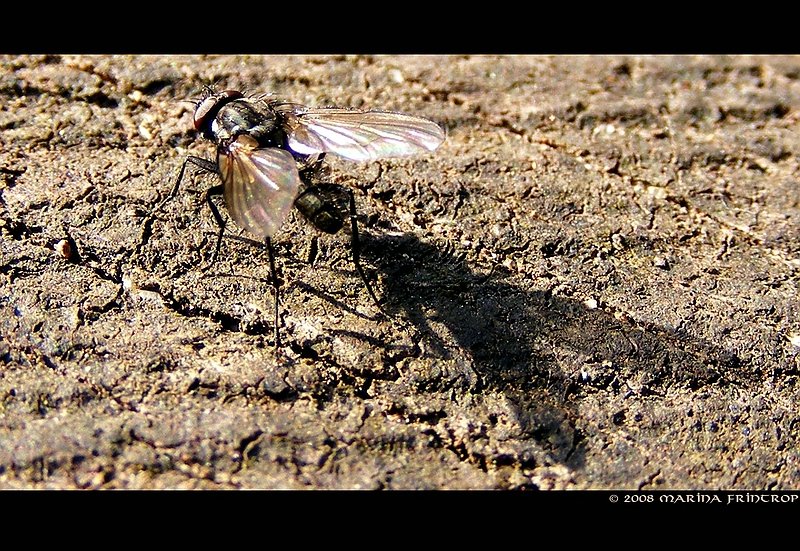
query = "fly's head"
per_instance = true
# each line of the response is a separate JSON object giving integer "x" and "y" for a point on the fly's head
{"x": 207, "y": 109}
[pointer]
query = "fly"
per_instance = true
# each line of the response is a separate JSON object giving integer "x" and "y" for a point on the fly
{"x": 270, "y": 159}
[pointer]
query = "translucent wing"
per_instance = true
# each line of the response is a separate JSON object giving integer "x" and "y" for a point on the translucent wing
{"x": 260, "y": 185}
{"x": 359, "y": 135}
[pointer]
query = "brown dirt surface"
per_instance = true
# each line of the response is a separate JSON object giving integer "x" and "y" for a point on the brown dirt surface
{"x": 592, "y": 284}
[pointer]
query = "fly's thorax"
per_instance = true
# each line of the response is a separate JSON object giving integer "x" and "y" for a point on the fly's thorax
{"x": 245, "y": 117}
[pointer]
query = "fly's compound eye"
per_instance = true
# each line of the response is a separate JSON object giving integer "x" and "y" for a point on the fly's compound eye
{"x": 208, "y": 107}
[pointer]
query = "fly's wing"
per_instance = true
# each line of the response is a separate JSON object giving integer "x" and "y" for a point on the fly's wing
{"x": 359, "y": 135}
{"x": 260, "y": 185}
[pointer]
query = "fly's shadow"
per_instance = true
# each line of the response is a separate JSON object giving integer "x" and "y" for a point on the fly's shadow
{"x": 523, "y": 338}
{"x": 540, "y": 350}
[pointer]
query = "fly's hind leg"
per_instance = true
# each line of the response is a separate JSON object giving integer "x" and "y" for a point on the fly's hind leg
{"x": 355, "y": 248}
{"x": 327, "y": 207}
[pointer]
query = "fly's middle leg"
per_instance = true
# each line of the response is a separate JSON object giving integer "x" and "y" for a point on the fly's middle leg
{"x": 275, "y": 286}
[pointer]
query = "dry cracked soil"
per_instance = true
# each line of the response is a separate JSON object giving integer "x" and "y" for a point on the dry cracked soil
{"x": 592, "y": 284}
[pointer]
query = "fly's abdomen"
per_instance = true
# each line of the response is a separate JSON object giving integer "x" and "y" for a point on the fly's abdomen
{"x": 322, "y": 213}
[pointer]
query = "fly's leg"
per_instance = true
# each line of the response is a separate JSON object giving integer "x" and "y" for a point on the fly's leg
{"x": 355, "y": 248}
{"x": 327, "y": 206}
{"x": 216, "y": 190}
{"x": 203, "y": 164}
{"x": 206, "y": 166}
{"x": 275, "y": 286}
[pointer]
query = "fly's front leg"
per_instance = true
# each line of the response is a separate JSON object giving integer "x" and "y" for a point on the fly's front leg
{"x": 203, "y": 164}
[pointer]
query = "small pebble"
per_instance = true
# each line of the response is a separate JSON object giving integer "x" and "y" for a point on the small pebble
{"x": 661, "y": 262}
{"x": 63, "y": 248}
